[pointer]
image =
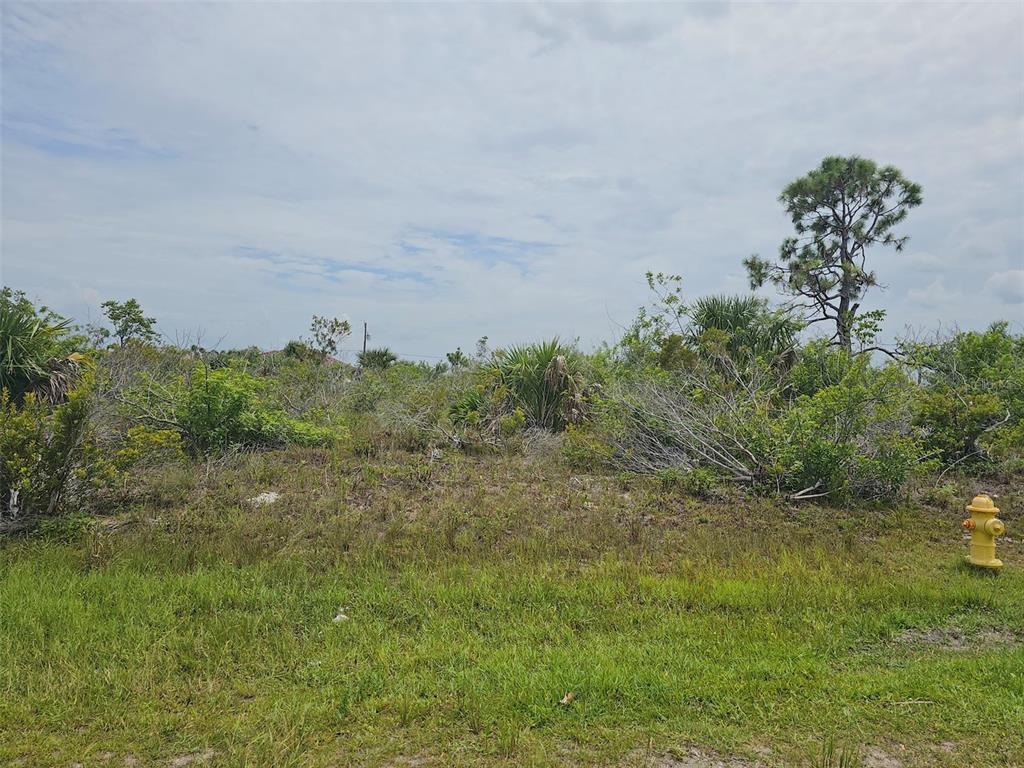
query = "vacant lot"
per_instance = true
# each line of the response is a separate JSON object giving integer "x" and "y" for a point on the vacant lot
{"x": 503, "y": 611}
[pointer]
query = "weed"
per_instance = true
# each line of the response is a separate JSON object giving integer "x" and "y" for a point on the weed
{"x": 832, "y": 756}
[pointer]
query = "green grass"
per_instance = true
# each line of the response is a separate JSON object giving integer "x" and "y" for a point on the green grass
{"x": 480, "y": 592}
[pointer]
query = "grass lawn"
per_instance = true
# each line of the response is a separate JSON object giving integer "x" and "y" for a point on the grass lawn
{"x": 200, "y": 630}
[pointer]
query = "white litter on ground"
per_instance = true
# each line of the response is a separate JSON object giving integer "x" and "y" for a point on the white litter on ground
{"x": 267, "y": 497}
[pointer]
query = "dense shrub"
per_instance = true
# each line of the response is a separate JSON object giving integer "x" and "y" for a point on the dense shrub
{"x": 143, "y": 447}
{"x": 250, "y": 356}
{"x": 48, "y": 461}
{"x": 699, "y": 395}
{"x": 970, "y": 404}
{"x": 377, "y": 359}
{"x": 404, "y": 405}
{"x": 299, "y": 350}
{"x": 214, "y": 410}
{"x": 311, "y": 390}
{"x": 818, "y": 365}
{"x": 485, "y": 418}
{"x": 532, "y": 387}
{"x": 585, "y": 446}
{"x": 746, "y": 326}
{"x": 851, "y": 438}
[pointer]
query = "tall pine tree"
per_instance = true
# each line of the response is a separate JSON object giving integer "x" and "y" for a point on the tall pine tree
{"x": 839, "y": 211}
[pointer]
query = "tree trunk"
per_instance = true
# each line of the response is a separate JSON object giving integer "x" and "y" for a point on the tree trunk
{"x": 844, "y": 322}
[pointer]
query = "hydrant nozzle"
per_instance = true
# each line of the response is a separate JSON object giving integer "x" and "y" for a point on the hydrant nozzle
{"x": 984, "y": 527}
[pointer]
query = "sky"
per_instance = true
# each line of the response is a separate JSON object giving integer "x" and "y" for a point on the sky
{"x": 448, "y": 171}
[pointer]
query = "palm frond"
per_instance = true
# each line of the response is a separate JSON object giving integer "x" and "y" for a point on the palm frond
{"x": 30, "y": 349}
{"x": 749, "y": 326}
{"x": 377, "y": 359}
{"x": 543, "y": 380}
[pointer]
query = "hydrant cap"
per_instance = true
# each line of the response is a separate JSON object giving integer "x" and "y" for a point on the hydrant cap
{"x": 982, "y": 503}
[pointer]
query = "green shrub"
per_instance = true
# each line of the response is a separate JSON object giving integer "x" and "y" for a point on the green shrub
{"x": 469, "y": 409}
{"x": 971, "y": 401}
{"x": 819, "y": 364}
{"x": 214, "y": 410}
{"x": 404, "y": 406}
{"x": 699, "y": 482}
{"x": 955, "y": 419}
{"x": 377, "y": 359}
{"x": 227, "y": 408}
{"x": 744, "y": 326}
{"x": 310, "y": 389}
{"x": 251, "y": 357}
{"x": 483, "y": 416}
{"x": 585, "y": 447}
{"x": 674, "y": 353}
{"x": 221, "y": 408}
{"x": 299, "y": 350}
{"x": 145, "y": 446}
{"x": 49, "y": 462}
{"x": 850, "y": 439}
{"x": 366, "y": 394}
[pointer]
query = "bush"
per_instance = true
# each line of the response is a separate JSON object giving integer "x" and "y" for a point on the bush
{"x": 700, "y": 483}
{"x": 48, "y": 460}
{"x": 144, "y": 446}
{"x": 746, "y": 326}
{"x": 541, "y": 380}
{"x": 971, "y": 402}
{"x": 299, "y": 350}
{"x": 819, "y": 364}
{"x": 852, "y": 438}
{"x": 214, "y": 410}
{"x": 226, "y": 408}
{"x": 215, "y": 358}
{"x": 403, "y": 406}
{"x": 311, "y": 390}
{"x": 586, "y": 448}
{"x": 377, "y": 359}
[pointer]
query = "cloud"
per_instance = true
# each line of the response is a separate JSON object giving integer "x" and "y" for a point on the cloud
{"x": 449, "y": 171}
{"x": 1008, "y": 286}
{"x": 935, "y": 295}
{"x": 556, "y": 24}
{"x": 926, "y": 261}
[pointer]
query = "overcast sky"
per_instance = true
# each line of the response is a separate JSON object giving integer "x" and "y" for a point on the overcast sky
{"x": 448, "y": 171}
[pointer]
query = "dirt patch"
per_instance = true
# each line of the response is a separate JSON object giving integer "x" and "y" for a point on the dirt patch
{"x": 192, "y": 758}
{"x": 688, "y": 757}
{"x": 956, "y": 639}
{"x": 879, "y": 758}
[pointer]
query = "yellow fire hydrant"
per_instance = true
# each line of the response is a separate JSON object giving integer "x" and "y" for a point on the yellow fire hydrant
{"x": 984, "y": 527}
